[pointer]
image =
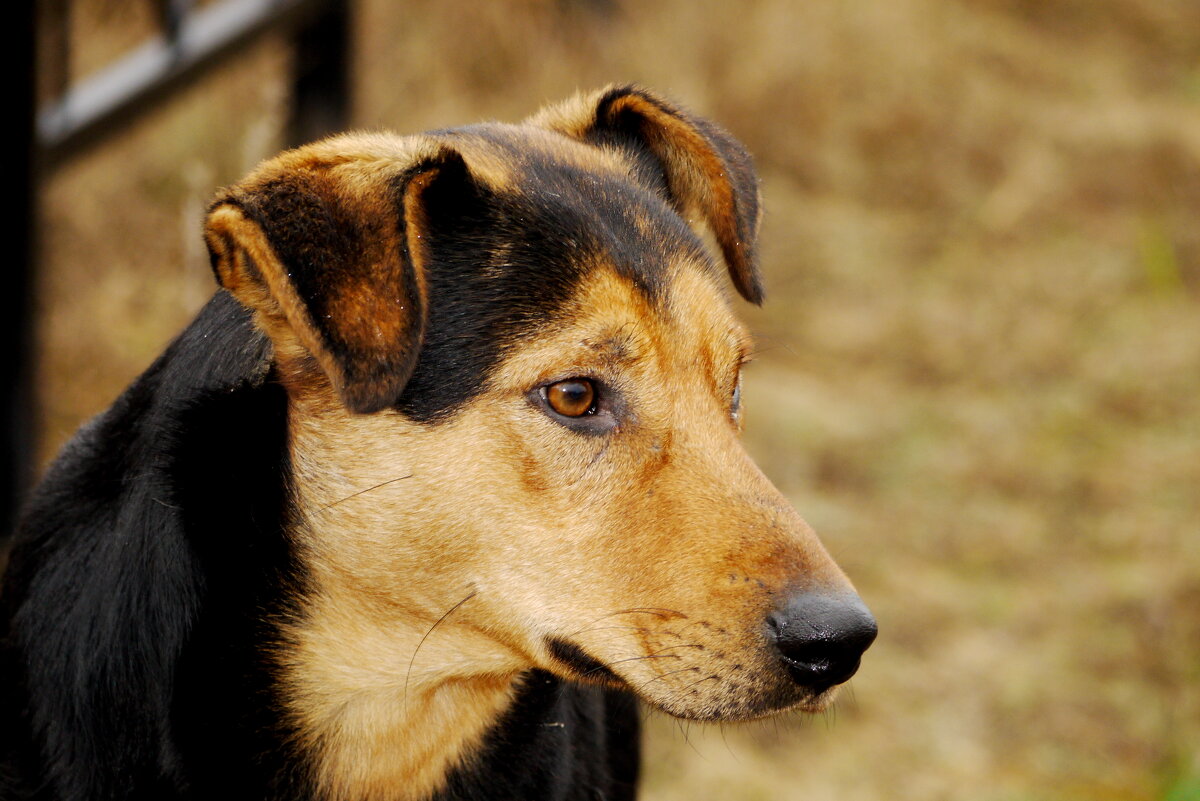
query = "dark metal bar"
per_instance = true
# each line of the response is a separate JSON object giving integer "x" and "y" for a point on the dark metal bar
{"x": 56, "y": 61}
{"x": 192, "y": 42}
{"x": 171, "y": 15}
{"x": 99, "y": 104}
{"x": 16, "y": 404}
{"x": 321, "y": 75}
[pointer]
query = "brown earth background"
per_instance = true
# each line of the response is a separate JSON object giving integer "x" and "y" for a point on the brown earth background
{"x": 979, "y": 367}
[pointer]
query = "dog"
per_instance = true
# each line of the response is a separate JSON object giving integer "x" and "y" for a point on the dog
{"x": 441, "y": 484}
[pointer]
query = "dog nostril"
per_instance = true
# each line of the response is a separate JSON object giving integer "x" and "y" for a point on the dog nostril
{"x": 821, "y": 638}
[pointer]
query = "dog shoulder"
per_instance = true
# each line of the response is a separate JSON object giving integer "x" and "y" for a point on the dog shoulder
{"x": 109, "y": 571}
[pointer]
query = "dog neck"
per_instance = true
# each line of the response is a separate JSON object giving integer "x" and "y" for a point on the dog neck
{"x": 371, "y": 736}
{"x": 388, "y": 696}
{"x": 386, "y": 701}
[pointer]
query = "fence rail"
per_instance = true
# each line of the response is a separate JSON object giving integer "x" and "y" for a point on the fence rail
{"x": 191, "y": 43}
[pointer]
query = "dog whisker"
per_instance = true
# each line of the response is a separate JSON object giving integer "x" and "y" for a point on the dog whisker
{"x": 687, "y": 687}
{"x": 662, "y": 676}
{"x": 661, "y": 612}
{"x": 450, "y": 611}
{"x": 605, "y": 666}
{"x": 364, "y": 492}
{"x": 648, "y": 656}
{"x": 673, "y": 647}
{"x": 607, "y": 628}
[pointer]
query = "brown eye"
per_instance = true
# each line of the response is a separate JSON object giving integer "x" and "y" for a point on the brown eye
{"x": 574, "y": 397}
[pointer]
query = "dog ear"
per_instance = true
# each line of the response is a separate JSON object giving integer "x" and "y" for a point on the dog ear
{"x": 705, "y": 171}
{"x": 335, "y": 249}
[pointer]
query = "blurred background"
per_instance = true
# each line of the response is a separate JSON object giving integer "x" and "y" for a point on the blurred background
{"x": 979, "y": 362}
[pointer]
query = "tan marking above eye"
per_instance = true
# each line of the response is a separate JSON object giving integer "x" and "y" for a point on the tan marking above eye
{"x": 573, "y": 397}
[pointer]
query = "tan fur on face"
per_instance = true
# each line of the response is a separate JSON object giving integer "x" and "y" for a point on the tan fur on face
{"x": 442, "y": 556}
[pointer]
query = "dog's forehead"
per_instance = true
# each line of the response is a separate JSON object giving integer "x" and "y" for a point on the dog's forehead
{"x": 594, "y": 201}
{"x": 505, "y": 155}
{"x": 609, "y": 321}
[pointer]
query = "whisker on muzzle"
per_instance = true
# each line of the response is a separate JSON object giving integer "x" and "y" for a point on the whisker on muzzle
{"x": 661, "y": 612}
{"x": 364, "y": 492}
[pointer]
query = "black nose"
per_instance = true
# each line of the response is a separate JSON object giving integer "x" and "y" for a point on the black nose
{"x": 822, "y": 637}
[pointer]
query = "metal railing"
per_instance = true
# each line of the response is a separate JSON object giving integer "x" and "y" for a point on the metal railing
{"x": 190, "y": 43}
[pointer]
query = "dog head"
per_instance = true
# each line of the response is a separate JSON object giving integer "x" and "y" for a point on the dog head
{"x": 514, "y": 384}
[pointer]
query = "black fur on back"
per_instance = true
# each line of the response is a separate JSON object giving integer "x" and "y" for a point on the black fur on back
{"x": 149, "y": 563}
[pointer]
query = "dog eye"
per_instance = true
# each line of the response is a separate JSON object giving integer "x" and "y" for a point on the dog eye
{"x": 735, "y": 402}
{"x": 574, "y": 397}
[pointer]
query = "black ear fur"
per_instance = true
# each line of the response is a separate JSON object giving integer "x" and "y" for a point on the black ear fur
{"x": 339, "y": 255}
{"x": 705, "y": 171}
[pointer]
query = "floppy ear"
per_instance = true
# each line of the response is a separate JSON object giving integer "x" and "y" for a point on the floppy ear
{"x": 706, "y": 172}
{"x": 334, "y": 249}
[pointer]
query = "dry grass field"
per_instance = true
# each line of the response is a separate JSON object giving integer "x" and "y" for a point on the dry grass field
{"x": 979, "y": 368}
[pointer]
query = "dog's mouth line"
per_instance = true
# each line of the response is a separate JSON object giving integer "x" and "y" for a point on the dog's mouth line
{"x": 583, "y": 666}
{"x": 580, "y": 662}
